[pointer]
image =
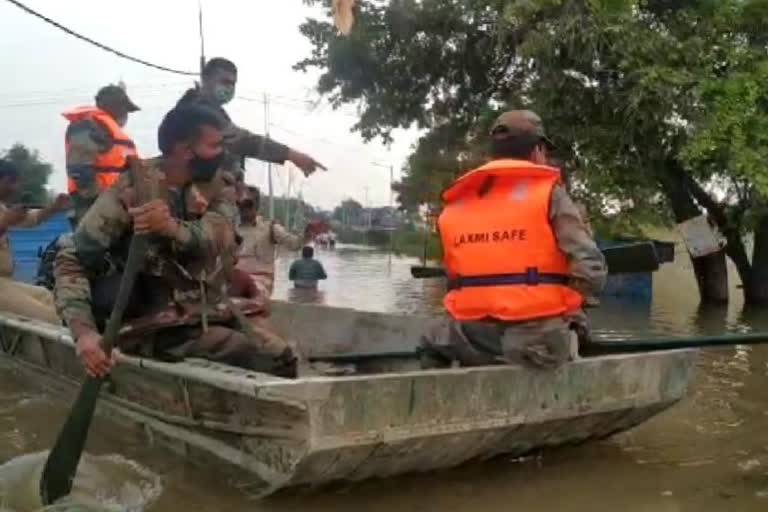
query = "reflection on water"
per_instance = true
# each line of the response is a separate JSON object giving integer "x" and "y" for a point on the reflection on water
{"x": 707, "y": 454}
{"x": 362, "y": 278}
{"x": 306, "y": 295}
{"x": 108, "y": 482}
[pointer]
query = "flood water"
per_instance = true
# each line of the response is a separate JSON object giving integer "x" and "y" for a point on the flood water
{"x": 709, "y": 453}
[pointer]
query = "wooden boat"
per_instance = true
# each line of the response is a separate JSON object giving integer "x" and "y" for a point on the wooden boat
{"x": 387, "y": 418}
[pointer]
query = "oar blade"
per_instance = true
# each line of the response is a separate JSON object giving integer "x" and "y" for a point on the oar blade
{"x": 61, "y": 466}
{"x": 629, "y": 258}
{"x": 422, "y": 272}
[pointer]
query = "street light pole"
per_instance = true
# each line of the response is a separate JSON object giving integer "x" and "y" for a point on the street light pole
{"x": 269, "y": 164}
{"x": 391, "y": 207}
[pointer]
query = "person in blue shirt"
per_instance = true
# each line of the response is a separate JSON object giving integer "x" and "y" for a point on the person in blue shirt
{"x": 307, "y": 271}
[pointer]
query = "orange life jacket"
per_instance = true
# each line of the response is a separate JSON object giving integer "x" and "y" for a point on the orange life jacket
{"x": 111, "y": 163}
{"x": 499, "y": 250}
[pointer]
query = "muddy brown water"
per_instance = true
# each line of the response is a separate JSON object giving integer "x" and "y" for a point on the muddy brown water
{"x": 708, "y": 453}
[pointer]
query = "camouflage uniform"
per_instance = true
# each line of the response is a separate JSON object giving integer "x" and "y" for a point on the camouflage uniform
{"x": 257, "y": 252}
{"x": 177, "y": 308}
{"x": 87, "y": 139}
{"x": 238, "y": 142}
{"x": 545, "y": 343}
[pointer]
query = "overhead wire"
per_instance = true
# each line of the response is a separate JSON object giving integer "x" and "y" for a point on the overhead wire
{"x": 76, "y": 93}
{"x": 298, "y": 104}
{"x": 97, "y": 44}
{"x": 143, "y": 92}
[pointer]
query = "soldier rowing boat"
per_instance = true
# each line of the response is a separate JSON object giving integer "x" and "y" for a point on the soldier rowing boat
{"x": 387, "y": 418}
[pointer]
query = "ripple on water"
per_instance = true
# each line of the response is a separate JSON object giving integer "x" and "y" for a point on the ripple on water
{"x": 106, "y": 483}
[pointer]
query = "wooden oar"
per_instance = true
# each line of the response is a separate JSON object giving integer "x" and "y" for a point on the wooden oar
{"x": 61, "y": 466}
{"x": 424, "y": 272}
{"x": 595, "y": 348}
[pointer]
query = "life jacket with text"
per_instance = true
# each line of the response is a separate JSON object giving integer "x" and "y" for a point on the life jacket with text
{"x": 109, "y": 164}
{"x": 499, "y": 250}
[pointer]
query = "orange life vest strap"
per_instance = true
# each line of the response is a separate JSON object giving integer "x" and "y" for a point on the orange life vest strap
{"x": 124, "y": 142}
{"x": 531, "y": 277}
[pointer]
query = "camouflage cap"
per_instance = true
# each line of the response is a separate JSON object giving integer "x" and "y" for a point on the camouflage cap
{"x": 115, "y": 95}
{"x": 520, "y": 123}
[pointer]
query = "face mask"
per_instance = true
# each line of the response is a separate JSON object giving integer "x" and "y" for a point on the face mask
{"x": 122, "y": 121}
{"x": 223, "y": 93}
{"x": 204, "y": 169}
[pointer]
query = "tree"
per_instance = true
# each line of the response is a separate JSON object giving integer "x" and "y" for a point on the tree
{"x": 33, "y": 172}
{"x": 349, "y": 213}
{"x": 627, "y": 88}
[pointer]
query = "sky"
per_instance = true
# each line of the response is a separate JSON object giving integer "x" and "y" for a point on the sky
{"x": 46, "y": 71}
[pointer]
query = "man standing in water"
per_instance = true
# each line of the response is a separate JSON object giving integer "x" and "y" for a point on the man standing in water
{"x": 178, "y": 307}
{"x": 261, "y": 239}
{"x": 307, "y": 271}
{"x": 518, "y": 256}
{"x": 219, "y": 79}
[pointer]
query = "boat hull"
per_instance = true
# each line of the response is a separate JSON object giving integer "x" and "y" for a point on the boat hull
{"x": 269, "y": 433}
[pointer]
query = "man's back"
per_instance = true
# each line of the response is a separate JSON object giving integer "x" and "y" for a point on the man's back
{"x": 519, "y": 258}
{"x": 306, "y": 272}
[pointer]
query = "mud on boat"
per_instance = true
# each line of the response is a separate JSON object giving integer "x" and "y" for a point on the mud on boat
{"x": 387, "y": 418}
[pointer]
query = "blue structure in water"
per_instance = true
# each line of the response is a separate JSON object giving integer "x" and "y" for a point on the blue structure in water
{"x": 28, "y": 243}
{"x": 635, "y": 285}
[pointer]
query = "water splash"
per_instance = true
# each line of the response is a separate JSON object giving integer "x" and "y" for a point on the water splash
{"x": 107, "y": 483}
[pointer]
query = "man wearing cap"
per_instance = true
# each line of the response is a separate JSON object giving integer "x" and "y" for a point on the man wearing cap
{"x": 96, "y": 147}
{"x": 518, "y": 256}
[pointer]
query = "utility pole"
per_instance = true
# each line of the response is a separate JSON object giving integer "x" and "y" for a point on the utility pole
{"x": 391, "y": 207}
{"x": 391, "y": 214}
{"x": 269, "y": 164}
{"x": 368, "y": 207}
{"x": 287, "y": 196}
{"x": 202, "y": 39}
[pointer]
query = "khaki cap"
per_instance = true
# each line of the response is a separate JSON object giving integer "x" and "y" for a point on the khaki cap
{"x": 520, "y": 123}
{"x": 115, "y": 95}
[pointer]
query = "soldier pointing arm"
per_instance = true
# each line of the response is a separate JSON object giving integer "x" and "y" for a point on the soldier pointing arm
{"x": 219, "y": 79}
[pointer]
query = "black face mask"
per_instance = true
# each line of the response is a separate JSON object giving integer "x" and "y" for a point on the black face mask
{"x": 204, "y": 169}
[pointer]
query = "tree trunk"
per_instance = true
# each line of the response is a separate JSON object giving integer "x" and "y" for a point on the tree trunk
{"x": 712, "y": 277}
{"x": 711, "y": 270}
{"x": 735, "y": 249}
{"x": 756, "y": 287}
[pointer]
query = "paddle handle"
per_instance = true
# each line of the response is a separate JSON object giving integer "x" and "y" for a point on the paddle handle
{"x": 597, "y": 348}
{"x": 146, "y": 189}
{"x": 136, "y": 254}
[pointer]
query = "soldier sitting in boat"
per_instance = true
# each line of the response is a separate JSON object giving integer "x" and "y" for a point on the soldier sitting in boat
{"x": 178, "y": 308}
{"x": 518, "y": 257}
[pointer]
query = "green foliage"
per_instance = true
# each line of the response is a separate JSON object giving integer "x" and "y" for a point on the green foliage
{"x": 656, "y": 107}
{"x": 732, "y": 134}
{"x": 33, "y": 173}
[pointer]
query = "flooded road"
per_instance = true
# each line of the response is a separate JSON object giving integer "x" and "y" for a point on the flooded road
{"x": 709, "y": 453}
